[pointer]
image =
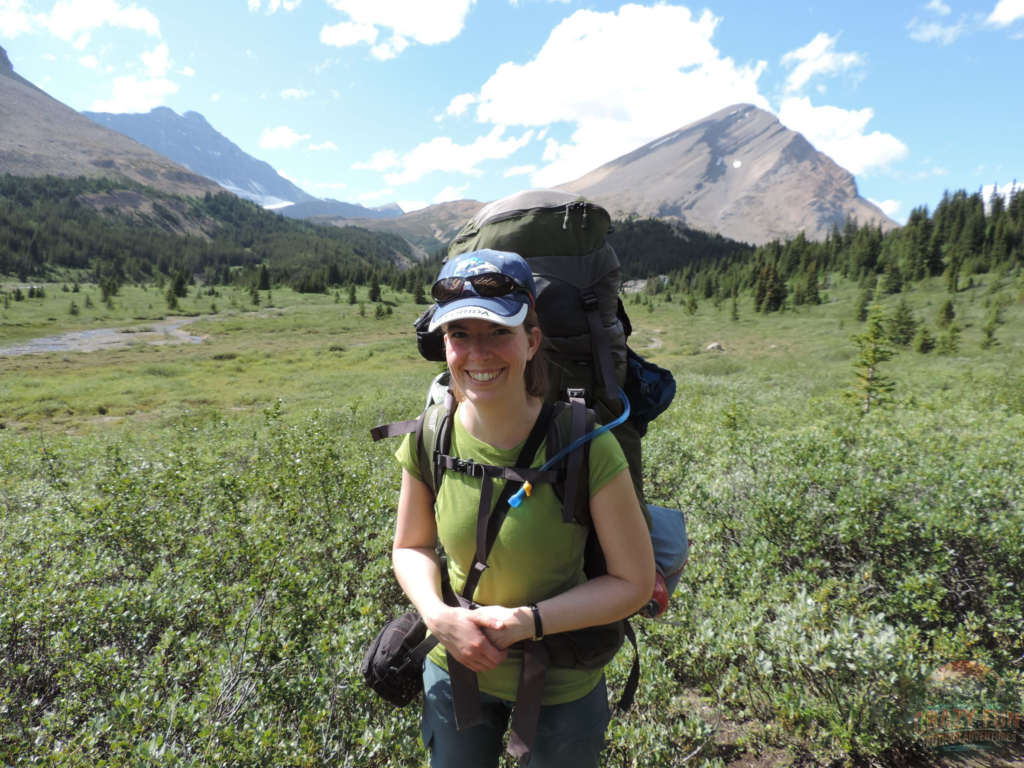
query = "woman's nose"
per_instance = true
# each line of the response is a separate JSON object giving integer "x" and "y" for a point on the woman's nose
{"x": 480, "y": 347}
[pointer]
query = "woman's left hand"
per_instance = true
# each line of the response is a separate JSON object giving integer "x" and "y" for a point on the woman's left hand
{"x": 518, "y": 625}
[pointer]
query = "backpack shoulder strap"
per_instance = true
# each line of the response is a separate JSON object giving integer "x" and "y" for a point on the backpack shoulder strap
{"x": 572, "y": 421}
{"x": 431, "y": 428}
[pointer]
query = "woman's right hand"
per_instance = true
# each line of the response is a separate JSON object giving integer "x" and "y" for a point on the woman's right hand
{"x": 460, "y": 631}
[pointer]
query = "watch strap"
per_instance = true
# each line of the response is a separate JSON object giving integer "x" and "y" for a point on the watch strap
{"x": 538, "y": 626}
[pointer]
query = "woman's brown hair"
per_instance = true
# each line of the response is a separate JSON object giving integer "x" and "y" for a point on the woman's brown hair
{"x": 535, "y": 376}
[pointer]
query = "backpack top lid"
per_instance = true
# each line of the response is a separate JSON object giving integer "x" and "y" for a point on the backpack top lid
{"x": 524, "y": 201}
{"x": 536, "y": 223}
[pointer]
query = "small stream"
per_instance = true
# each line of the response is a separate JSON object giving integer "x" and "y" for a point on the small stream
{"x": 106, "y": 338}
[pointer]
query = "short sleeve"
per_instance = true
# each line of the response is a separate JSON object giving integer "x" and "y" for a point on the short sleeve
{"x": 606, "y": 461}
{"x": 407, "y": 455}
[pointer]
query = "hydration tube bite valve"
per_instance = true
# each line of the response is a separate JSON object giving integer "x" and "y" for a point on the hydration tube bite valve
{"x": 518, "y": 496}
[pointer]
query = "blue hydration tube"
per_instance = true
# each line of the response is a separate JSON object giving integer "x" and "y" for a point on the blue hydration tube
{"x": 523, "y": 492}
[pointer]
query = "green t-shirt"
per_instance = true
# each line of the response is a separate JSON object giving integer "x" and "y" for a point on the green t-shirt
{"x": 536, "y": 555}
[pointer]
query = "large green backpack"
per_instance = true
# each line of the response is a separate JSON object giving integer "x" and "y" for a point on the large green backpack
{"x": 563, "y": 238}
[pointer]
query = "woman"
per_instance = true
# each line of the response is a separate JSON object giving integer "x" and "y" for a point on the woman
{"x": 534, "y": 584}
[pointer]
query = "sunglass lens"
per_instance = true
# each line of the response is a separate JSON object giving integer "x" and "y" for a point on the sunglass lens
{"x": 447, "y": 288}
{"x": 495, "y": 284}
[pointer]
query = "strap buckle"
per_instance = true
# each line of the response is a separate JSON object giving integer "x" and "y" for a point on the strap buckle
{"x": 573, "y": 393}
{"x": 589, "y": 297}
{"x": 468, "y": 467}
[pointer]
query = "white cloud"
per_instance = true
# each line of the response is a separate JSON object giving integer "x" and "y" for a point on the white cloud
{"x": 408, "y": 21}
{"x": 442, "y": 154}
{"x": 326, "y": 145}
{"x": 70, "y": 17}
{"x": 285, "y": 176}
{"x": 818, "y": 57}
{"x": 840, "y": 134}
{"x": 346, "y": 34}
{"x": 939, "y": 7}
{"x": 1006, "y": 12}
{"x": 48, "y": 56}
{"x": 215, "y": 97}
{"x": 450, "y": 193}
{"x": 254, "y": 5}
{"x": 520, "y": 170}
{"x": 460, "y": 104}
{"x": 14, "y": 18}
{"x": 89, "y": 61}
{"x": 188, "y": 72}
{"x": 412, "y": 205}
{"x": 367, "y": 196}
{"x": 295, "y": 93}
{"x": 82, "y": 41}
{"x": 658, "y": 71}
{"x": 929, "y": 31}
{"x": 157, "y": 61}
{"x": 281, "y": 137}
{"x": 389, "y": 49}
{"x": 335, "y": 94}
{"x": 381, "y": 161}
{"x": 890, "y": 208}
{"x": 134, "y": 95}
{"x": 109, "y": 68}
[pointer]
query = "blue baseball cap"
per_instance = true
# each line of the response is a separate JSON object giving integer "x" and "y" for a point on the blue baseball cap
{"x": 509, "y": 309}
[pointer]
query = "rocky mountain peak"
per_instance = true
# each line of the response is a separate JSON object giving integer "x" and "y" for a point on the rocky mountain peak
{"x": 189, "y": 139}
{"x": 739, "y": 172}
{"x": 5, "y": 62}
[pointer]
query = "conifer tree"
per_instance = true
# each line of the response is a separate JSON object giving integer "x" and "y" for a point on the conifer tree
{"x": 74, "y": 287}
{"x": 379, "y": 312}
{"x": 871, "y": 388}
{"x": 264, "y": 284}
{"x": 863, "y": 302}
{"x": 893, "y": 277}
{"x": 73, "y": 309}
{"x": 988, "y": 339}
{"x": 374, "y": 289}
{"x": 902, "y": 325}
{"x": 351, "y": 293}
{"x": 88, "y": 302}
{"x": 418, "y": 295}
{"x": 924, "y": 342}
{"x": 949, "y": 342}
{"x": 691, "y": 305}
{"x": 734, "y": 313}
{"x": 946, "y": 313}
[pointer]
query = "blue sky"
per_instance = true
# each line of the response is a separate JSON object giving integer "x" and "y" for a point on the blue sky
{"x": 422, "y": 101}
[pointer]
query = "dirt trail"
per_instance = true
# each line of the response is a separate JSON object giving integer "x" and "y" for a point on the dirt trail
{"x": 160, "y": 332}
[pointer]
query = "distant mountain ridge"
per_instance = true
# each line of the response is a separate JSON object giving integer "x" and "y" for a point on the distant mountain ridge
{"x": 738, "y": 172}
{"x": 190, "y": 140}
{"x": 40, "y": 136}
{"x": 336, "y": 208}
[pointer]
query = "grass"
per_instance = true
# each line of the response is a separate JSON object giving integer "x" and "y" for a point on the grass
{"x": 194, "y": 538}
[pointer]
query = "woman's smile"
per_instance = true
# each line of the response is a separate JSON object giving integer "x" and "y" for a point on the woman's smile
{"x": 482, "y": 376}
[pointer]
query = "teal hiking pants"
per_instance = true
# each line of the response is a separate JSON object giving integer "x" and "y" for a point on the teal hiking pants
{"x": 568, "y": 735}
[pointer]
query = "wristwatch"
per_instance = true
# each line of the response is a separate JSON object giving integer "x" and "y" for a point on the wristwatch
{"x": 538, "y": 626}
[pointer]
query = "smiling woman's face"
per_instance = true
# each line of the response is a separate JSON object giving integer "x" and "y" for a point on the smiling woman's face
{"x": 487, "y": 360}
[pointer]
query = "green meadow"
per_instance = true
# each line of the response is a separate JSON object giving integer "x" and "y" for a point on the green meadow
{"x": 195, "y": 537}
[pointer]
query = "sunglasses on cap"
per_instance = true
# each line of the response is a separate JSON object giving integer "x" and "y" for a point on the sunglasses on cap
{"x": 489, "y": 284}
